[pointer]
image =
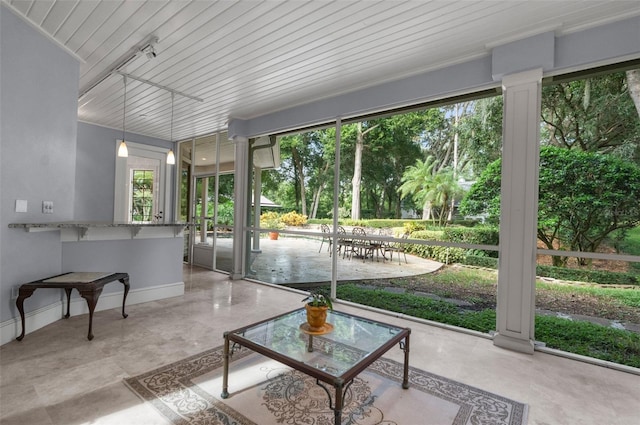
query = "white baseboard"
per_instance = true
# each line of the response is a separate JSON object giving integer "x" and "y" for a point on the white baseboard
{"x": 34, "y": 320}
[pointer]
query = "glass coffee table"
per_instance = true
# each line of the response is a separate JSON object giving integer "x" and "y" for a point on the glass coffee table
{"x": 335, "y": 356}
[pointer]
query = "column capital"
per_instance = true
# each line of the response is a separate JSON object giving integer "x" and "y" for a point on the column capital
{"x": 524, "y": 77}
{"x": 239, "y": 139}
{"x": 237, "y": 128}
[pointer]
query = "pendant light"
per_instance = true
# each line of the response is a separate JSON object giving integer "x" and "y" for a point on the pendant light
{"x": 123, "y": 152}
{"x": 171, "y": 158}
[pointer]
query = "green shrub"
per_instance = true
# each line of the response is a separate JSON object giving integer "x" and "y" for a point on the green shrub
{"x": 589, "y": 339}
{"x": 379, "y": 223}
{"x": 480, "y": 235}
{"x": 594, "y": 276}
{"x": 349, "y": 222}
{"x": 225, "y": 213}
{"x": 433, "y": 235}
{"x": 480, "y": 261}
{"x": 465, "y": 223}
{"x": 442, "y": 254}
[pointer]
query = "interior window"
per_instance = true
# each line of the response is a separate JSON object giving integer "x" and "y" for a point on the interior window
{"x": 144, "y": 205}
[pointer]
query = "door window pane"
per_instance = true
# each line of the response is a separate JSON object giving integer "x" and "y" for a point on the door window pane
{"x": 142, "y": 199}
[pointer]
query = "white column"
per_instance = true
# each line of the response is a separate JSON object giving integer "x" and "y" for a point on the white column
{"x": 257, "y": 193}
{"x": 518, "y": 211}
{"x": 240, "y": 191}
{"x": 204, "y": 197}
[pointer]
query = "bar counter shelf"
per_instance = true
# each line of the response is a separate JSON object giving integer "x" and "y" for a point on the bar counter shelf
{"x": 71, "y": 231}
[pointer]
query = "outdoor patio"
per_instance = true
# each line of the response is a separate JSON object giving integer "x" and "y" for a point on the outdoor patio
{"x": 294, "y": 259}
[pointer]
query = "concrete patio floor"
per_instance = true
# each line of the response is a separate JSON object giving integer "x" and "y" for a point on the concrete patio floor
{"x": 297, "y": 260}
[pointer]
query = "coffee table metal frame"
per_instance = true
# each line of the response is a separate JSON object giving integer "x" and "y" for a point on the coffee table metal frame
{"x": 339, "y": 379}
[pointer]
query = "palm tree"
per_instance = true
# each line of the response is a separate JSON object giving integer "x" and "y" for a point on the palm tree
{"x": 432, "y": 189}
{"x": 416, "y": 181}
{"x": 441, "y": 192}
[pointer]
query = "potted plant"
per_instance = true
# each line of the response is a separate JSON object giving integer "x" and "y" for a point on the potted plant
{"x": 317, "y": 305}
{"x": 271, "y": 220}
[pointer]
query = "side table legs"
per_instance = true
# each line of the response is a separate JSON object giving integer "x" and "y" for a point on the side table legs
{"x": 92, "y": 300}
{"x": 23, "y": 293}
{"x": 125, "y": 282}
{"x": 68, "y": 292}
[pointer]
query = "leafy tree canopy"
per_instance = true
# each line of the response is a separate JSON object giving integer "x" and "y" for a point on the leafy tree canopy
{"x": 593, "y": 114}
{"x": 584, "y": 197}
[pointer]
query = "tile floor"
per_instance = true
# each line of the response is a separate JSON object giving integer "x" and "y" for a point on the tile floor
{"x": 56, "y": 376}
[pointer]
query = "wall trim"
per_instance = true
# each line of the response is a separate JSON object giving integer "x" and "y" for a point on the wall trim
{"x": 51, "y": 313}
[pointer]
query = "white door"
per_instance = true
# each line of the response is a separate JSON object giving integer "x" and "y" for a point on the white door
{"x": 141, "y": 185}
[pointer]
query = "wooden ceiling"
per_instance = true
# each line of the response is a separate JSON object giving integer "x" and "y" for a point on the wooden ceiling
{"x": 248, "y": 58}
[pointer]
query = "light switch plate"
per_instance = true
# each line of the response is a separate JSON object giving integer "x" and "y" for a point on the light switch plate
{"x": 21, "y": 205}
{"x": 47, "y": 207}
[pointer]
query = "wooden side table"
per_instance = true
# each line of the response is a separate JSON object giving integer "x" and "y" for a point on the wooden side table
{"x": 88, "y": 284}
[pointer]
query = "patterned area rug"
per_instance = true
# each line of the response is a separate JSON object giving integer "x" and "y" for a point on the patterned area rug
{"x": 265, "y": 392}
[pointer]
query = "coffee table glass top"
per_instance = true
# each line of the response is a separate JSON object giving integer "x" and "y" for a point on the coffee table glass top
{"x": 351, "y": 340}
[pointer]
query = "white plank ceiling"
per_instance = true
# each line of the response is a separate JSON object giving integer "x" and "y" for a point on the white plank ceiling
{"x": 248, "y": 58}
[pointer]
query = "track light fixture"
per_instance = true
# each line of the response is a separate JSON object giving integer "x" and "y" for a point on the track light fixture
{"x": 149, "y": 49}
{"x": 150, "y": 52}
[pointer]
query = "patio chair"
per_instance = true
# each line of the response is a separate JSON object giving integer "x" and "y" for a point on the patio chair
{"x": 378, "y": 246}
{"x": 361, "y": 247}
{"x": 344, "y": 244}
{"x": 398, "y": 247}
{"x": 326, "y": 236}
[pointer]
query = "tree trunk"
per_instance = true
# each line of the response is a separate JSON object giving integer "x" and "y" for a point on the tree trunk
{"x": 322, "y": 179}
{"x": 357, "y": 171}
{"x": 316, "y": 201}
{"x": 633, "y": 81}
{"x": 300, "y": 177}
{"x": 426, "y": 210}
{"x": 357, "y": 175}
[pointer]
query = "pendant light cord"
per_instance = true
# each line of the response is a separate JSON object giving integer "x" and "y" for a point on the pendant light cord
{"x": 171, "y": 132}
{"x": 124, "y": 108}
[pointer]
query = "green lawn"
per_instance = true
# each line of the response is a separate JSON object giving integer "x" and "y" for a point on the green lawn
{"x": 582, "y": 338}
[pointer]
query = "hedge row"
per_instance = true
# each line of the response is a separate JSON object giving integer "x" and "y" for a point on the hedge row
{"x": 577, "y": 275}
{"x": 448, "y": 255}
{"x": 484, "y": 235}
{"x": 410, "y": 225}
{"x": 480, "y": 261}
{"x": 594, "y": 276}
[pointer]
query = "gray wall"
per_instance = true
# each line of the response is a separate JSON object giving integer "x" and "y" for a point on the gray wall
{"x": 46, "y": 154}
{"x": 95, "y": 169}
{"x": 149, "y": 262}
{"x": 38, "y": 109}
